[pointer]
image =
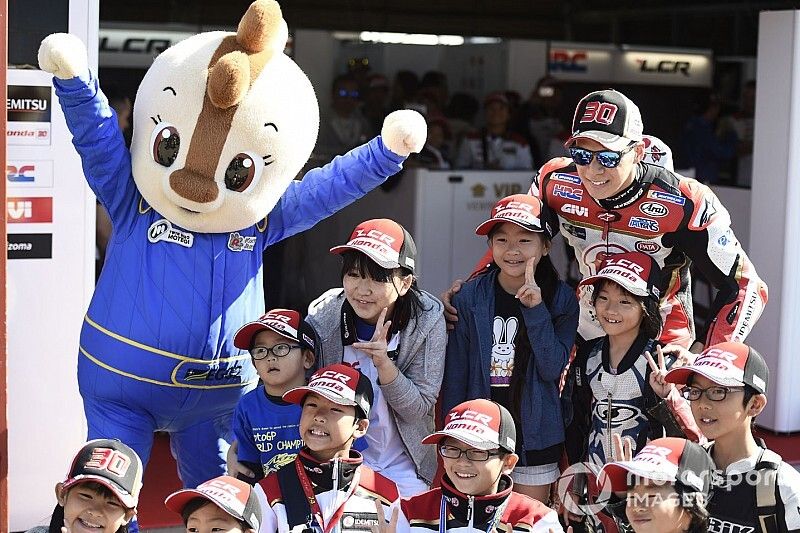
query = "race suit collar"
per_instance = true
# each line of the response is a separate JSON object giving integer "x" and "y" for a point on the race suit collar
{"x": 321, "y": 474}
{"x": 641, "y": 181}
{"x": 482, "y": 508}
{"x": 637, "y": 349}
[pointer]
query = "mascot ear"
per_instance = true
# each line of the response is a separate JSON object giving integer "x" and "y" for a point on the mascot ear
{"x": 262, "y": 27}
{"x": 262, "y": 32}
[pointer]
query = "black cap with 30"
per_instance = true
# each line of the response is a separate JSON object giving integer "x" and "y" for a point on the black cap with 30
{"x": 608, "y": 117}
{"x": 112, "y": 464}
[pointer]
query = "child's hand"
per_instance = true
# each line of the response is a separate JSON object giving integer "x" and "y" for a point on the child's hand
{"x": 234, "y": 466}
{"x": 658, "y": 374}
{"x": 530, "y": 294}
{"x": 377, "y": 347}
{"x": 623, "y": 449}
{"x": 450, "y": 312}
{"x": 683, "y": 357}
{"x": 383, "y": 526}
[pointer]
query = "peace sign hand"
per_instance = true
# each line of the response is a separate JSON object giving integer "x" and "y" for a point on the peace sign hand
{"x": 623, "y": 448}
{"x": 377, "y": 347}
{"x": 383, "y": 526}
{"x": 530, "y": 294}
{"x": 658, "y": 374}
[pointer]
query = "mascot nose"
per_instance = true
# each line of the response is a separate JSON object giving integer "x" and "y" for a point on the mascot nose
{"x": 193, "y": 186}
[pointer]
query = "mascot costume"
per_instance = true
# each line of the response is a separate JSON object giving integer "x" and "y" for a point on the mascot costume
{"x": 222, "y": 123}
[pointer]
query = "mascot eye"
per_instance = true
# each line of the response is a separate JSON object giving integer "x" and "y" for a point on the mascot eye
{"x": 166, "y": 144}
{"x": 242, "y": 171}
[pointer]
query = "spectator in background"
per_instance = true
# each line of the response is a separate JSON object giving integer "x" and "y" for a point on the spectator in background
{"x": 538, "y": 121}
{"x": 434, "y": 154}
{"x": 743, "y": 124}
{"x": 709, "y": 144}
{"x": 344, "y": 127}
{"x": 359, "y": 69}
{"x": 376, "y": 102}
{"x": 495, "y": 146}
{"x": 434, "y": 82}
{"x": 404, "y": 89}
{"x": 460, "y": 113}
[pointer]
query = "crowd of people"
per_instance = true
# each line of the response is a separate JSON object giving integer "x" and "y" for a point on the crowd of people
{"x": 513, "y": 133}
{"x": 505, "y": 131}
{"x": 541, "y": 409}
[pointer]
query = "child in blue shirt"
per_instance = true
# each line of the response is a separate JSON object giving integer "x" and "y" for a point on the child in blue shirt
{"x": 266, "y": 428}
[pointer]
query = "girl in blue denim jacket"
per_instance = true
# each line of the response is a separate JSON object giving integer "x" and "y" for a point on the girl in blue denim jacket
{"x": 516, "y": 328}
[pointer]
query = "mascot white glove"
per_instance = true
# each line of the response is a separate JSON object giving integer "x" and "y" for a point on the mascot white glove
{"x": 63, "y": 55}
{"x": 404, "y": 132}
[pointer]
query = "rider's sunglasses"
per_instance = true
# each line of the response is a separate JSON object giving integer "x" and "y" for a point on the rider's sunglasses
{"x": 607, "y": 158}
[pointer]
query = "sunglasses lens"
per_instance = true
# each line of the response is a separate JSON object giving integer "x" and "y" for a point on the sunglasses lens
{"x": 580, "y": 156}
{"x": 608, "y": 159}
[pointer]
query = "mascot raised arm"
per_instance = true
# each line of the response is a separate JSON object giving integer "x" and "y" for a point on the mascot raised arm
{"x": 222, "y": 124}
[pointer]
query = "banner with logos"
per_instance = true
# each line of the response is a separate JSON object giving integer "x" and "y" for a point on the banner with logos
{"x": 51, "y": 248}
{"x": 636, "y": 65}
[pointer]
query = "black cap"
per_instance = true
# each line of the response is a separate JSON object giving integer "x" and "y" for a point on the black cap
{"x": 608, "y": 117}
{"x": 112, "y": 464}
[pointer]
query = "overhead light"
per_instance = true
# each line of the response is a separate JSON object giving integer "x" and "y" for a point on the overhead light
{"x": 411, "y": 38}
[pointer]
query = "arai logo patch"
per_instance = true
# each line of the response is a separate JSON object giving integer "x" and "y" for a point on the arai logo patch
{"x": 654, "y": 209}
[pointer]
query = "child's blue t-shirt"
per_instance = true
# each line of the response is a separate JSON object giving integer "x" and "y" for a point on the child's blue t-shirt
{"x": 267, "y": 430}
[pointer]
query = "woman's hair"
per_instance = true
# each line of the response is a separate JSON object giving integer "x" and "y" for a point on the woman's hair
{"x": 57, "y": 520}
{"x": 547, "y": 279}
{"x": 408, "y": 306}
{"x": 651, "y": 319}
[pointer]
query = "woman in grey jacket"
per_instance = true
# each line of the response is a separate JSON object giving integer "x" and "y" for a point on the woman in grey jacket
{"x": 381, "y": 323}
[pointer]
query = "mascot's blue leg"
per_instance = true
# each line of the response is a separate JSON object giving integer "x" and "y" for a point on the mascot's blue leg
{"x": 111, "y": 421}
{"x": 200, "y": 449}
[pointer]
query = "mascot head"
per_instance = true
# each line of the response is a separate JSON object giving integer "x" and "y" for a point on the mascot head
{"x": 222, "y": 123}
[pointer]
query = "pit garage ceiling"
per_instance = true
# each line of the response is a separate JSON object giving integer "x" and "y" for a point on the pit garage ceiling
{"x": 729, "y": 28}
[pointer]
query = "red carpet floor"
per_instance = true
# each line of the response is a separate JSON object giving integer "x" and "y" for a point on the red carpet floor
{"x": 785, "y": 445}
{"x": 160, "y": 480}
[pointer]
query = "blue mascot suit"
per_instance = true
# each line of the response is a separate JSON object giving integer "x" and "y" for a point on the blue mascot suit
{"x": 156, "y": 347}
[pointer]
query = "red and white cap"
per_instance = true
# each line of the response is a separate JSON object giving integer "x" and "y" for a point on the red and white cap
{"x": 657, "y": 152}
{"x": 284, "y": 322}
{"x": 339, "y": 383}
{"x": 232, "y": 495}
{"x": 480, "y": 423}
{"x": 524, "y": 210}
{"x": 666, "y": 460}
{"x": 608, "y": 117}
{"x": 636, "y": 272}
{"x": 731, "y": 364}
{"x": 384, "y": 241}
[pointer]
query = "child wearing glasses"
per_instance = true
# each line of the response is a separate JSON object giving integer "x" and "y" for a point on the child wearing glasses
{"x": 617, "y": 386}
{"x": 281, "y": 346}
{"x": 477, "y": 447}
{"x": 512, "y": 341}
{"x": 757, "y": 490}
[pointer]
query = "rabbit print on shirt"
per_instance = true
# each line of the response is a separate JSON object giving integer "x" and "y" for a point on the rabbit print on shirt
{"x": 504, "y": 332}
